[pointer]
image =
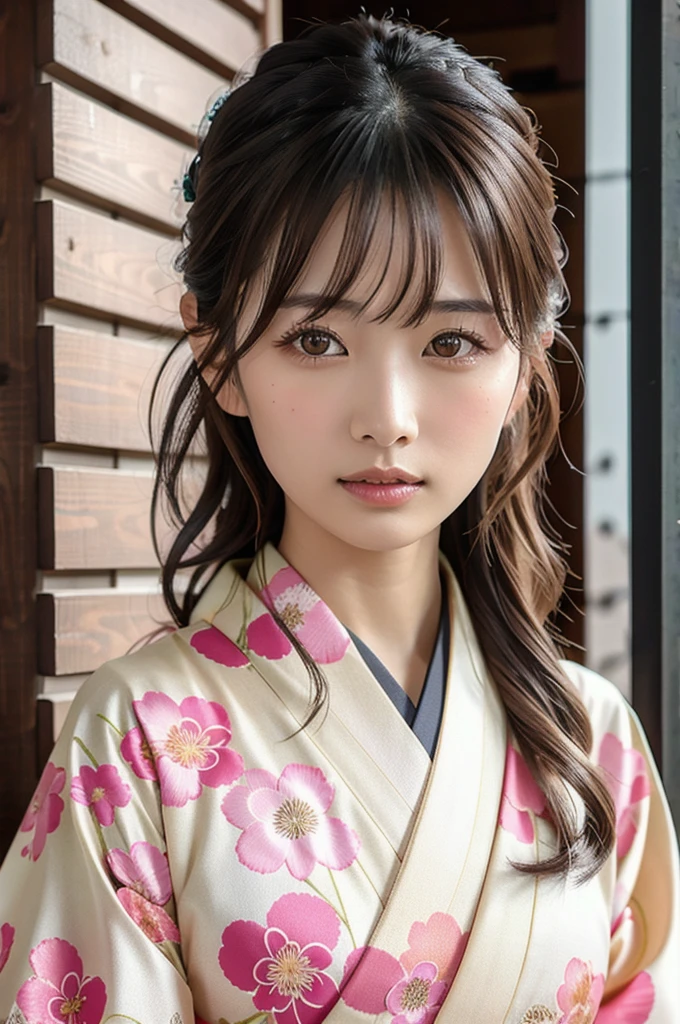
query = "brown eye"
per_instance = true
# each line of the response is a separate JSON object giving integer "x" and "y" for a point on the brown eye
{"x": 450, "y": 345}
{"x": 313, "y": 343}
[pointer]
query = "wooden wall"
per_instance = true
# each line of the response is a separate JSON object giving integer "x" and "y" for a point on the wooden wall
{"x": 100, "y": 105}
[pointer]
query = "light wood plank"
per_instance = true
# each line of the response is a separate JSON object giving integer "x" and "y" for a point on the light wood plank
{"x": 523, "y": 48}
{"x": 91, "y": 151}
{"x": 94, "y": 519}
{"x": 272, "y": 24}
{"x": 50, "y": 713}
{"x": 91, "y": 519}
{"x": 210, "y": 31}
{"x": 78, "y": 631}
{"x": 103, "y": 266}
{"x": 95, "y": 388}
{"x": 87, "y": 44}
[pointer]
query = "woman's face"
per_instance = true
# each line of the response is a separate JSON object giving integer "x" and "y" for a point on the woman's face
{"x": 346, "y": 396}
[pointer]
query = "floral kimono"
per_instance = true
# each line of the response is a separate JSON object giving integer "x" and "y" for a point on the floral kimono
{"x": 190, "y": 854}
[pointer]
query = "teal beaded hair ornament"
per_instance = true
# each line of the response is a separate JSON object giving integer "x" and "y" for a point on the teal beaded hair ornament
{"x": 189, "y": 181}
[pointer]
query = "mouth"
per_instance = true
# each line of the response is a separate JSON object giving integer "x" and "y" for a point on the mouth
{"x": 381, "y": 477}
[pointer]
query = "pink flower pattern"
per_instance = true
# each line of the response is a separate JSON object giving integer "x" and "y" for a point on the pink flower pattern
{"x": 44, "y": 811}
{"x": 285, "y": 820}
{"x": 632, "y": 1005}
{"x": 521, "y": 798}
{"x": 417, "y": 998}
{"x": 6, "y": 941}
{"x": 137, "y": 752}
{"x": 215, "y": 646}
{"x": 144, "y": 869}
{"x": 626, "y": 776}
{"x": 285, "y": 963}
{"x": 155, "y": 922}
{"x": 580, "y": 994}
{"x": 59, "y": 993}
{"x": 413, "y": 987}
{"x": 304, "y": 613}
{"x": 102, "y": 790}
{"x": 190, "y": 744}
{"x": 145, "y": 875}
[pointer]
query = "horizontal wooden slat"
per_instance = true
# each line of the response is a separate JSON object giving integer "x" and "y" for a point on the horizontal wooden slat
{"x": 94, "y": 389}
{"x": 524, "y": 48}
{"x": 210, "y": 31}
{"x": 78, "y": 631}
{"x": 94, "y": 519}
{"x": 88, "y": 45}
{"x": 95, "y": 153}
{"x": 272, "y": 22}
{"x": 51, "y": 712}
{"x": 561, "y": 115}
{"x": 100, "y": 518}
{"x": 102, "y": 266}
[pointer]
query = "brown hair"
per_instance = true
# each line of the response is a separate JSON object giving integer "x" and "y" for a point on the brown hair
{"x": 374, "y": 111}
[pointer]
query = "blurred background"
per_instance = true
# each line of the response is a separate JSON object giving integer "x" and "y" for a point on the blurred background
{"x": 98, "y": 114}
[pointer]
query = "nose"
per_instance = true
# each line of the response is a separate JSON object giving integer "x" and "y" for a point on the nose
{"x": 383, "y": 404}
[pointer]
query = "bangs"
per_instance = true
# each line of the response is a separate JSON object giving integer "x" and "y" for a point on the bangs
{"x": 376, "y": 209}
{"x": 383, "y": 145}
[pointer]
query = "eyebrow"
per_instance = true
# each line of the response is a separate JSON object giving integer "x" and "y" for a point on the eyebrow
{"x": 309, "y": 300}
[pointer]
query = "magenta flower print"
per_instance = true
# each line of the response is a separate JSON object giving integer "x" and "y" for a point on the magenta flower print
{"x": 521, "y": 796}
{"x": 285, "y": 820}
{"x": 626, "y": 777}
{"x": 190, "y": 743}
{"x": 413, "y": 987}
{"x": 44, "y": 811}
{"x": 266, "y": 638}
{"x": 137, "y": 752}
{"x": 579, "y": 996}
{"x": 145, "y": 875}
{"x": 6, "y": 941}
{"x": 370, "y": 974}
{"x": 155, "y": 922}
{"x": 417, "y": 998}
{"x": 60, "y": 993}
{"x": 213, "y": 644}
{"x": 632, "y": 1005}
{"x": 102, "y": 790}
{"x": 304, "y": 613}
{"x": 438, "y": 940}
{"x": 285, "y": 963}
{"x": 144, "y": 869}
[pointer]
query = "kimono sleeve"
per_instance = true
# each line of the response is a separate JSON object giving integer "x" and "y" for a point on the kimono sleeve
{"x": 88, "y": 927}
{"x": 643, "y": 980}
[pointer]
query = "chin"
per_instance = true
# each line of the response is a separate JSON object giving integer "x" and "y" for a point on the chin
{"x": 382, "y": 536}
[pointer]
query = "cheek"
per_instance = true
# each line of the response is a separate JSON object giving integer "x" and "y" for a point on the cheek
{"x": 290, "y": 425}
{"x": 475, "y": 411}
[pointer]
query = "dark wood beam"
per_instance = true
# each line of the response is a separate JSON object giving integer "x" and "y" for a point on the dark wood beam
{"x": 18, "y": 417}
{"x": 655, "y": 379}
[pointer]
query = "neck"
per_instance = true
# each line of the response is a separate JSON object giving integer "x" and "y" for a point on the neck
{"x": 390, "y": 599}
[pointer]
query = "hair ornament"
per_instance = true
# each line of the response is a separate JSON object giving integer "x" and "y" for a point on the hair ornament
{"x": 219, "y": 102}
{"x": 189, "y": 180}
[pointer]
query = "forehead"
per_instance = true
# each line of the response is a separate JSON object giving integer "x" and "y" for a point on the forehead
{"x": 387, "y": 258}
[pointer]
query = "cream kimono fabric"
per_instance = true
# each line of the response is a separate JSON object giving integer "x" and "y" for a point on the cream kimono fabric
{"x": 189, "y": 856}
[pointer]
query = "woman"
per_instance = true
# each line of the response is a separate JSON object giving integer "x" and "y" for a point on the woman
{"x": 455, "y": 825}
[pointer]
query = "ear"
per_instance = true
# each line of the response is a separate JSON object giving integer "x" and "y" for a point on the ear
{"x": 522, "y": 388}
{"x": 229, "y": 397}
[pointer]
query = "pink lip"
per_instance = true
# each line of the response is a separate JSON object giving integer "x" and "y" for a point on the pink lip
{"x": 375, "y": 475}
{"x": 388, "y": 494}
